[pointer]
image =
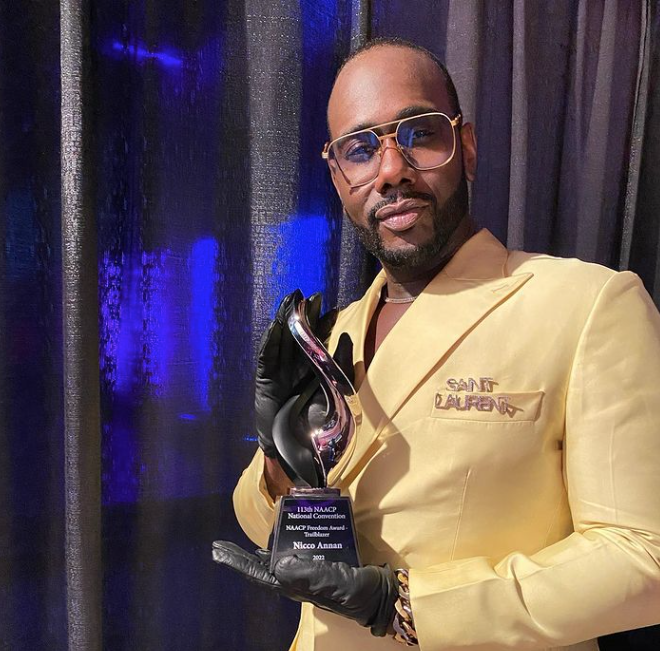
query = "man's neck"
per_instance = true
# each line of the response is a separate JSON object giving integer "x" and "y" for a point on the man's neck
{"x": 406, "y": 282}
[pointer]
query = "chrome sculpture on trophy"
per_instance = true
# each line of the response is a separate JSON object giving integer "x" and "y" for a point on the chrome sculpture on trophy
{"x": 314, "y": 520}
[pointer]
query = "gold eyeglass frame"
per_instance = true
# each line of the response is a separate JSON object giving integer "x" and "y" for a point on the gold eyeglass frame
{"x": 455, "y": 121}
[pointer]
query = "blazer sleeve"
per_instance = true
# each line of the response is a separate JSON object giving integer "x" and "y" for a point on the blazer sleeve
{"x": 253, "y": 505}
{"x": 604, "y": 577}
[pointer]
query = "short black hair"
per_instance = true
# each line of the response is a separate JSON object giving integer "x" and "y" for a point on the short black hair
{"x": 395, "y": 41}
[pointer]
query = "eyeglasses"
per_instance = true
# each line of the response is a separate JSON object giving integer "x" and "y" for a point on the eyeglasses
{"x": 426, "y": 141}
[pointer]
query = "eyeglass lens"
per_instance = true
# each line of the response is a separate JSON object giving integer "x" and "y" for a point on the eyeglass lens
{"x": 425, "y": 141}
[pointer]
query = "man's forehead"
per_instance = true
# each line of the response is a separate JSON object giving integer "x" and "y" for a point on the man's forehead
{"x": 381, "y": 83}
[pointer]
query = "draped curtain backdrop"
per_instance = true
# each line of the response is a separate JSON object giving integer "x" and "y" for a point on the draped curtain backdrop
{"x": 161, "y": 188}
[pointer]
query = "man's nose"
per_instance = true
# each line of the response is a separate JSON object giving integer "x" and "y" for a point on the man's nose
{"x": 394, "y": 169}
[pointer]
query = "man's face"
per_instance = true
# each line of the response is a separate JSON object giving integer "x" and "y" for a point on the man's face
{"x": 423, "y": 207}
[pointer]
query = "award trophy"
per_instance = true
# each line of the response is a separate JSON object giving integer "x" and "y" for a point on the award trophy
{"x": 314, "y": 520}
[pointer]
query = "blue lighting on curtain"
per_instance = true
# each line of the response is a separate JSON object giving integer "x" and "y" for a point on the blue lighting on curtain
{"x": 301, "y": 258}
{"x": 159, "y": 320}
{"x": 160, "y": 301}
{"x": 121, "y": 474}
{"x": 136, "y": 311}
{"x": 21, "y": 235}
{"x": 203, "y": 279}
{"x": 137, "y": 304}
{"x": 142, "y": 319}
{"x": 141, "y": 53}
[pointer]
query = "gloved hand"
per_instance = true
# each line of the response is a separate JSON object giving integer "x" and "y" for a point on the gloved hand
{"x": 282, "y": 369}
{"x": 366, "y": 594}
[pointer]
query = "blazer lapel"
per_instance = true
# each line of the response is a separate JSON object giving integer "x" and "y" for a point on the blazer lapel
{"x": 472, "y": 285}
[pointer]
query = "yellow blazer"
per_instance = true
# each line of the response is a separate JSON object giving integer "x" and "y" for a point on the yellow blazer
{"x": 509, "y": 455}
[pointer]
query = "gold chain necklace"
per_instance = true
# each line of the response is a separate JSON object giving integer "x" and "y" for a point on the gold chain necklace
{"x": 408, "y": 299}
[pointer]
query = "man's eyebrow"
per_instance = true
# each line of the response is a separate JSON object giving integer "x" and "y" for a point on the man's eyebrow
{"x": 412, "y": 111}
{"x": 408, "y": 112}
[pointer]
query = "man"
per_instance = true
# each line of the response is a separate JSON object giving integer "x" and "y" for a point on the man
{"x": 508, "y": 455}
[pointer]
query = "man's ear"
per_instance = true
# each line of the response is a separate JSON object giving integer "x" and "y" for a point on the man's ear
{"x": 469, "y": 146}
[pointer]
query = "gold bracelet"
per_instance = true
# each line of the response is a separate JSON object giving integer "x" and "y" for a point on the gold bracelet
{"x": 404, "y": 624}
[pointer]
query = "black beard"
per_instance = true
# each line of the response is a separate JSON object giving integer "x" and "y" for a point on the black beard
{"x": 446, "y": 219}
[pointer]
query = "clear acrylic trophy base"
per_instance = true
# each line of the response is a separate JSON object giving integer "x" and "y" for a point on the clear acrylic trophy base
{"x": 315, "y": 523}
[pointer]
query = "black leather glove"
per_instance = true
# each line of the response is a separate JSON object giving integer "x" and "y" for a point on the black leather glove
{"x": 282, "y": 369}
{"x": 366, "y": 594}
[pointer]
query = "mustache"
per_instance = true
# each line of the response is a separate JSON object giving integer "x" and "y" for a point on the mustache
{"x": 398, "y": 196}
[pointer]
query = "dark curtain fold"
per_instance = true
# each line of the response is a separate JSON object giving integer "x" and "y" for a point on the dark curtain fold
{"x": 33, "y": 604}
{"x": 644, "y": 229}
{"x": 82, "y": 434}
{"x": 151, "y": 224}
{"x": 636, "y": 136}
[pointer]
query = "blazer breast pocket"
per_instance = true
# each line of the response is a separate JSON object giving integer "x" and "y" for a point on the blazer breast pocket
{"x": 501, "y": 407}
